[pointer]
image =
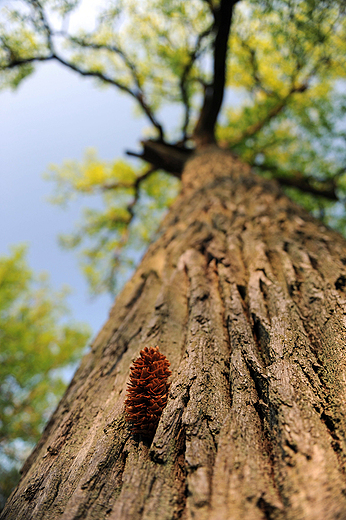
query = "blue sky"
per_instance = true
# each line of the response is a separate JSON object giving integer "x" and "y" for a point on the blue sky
{"x": 54, "y": 115}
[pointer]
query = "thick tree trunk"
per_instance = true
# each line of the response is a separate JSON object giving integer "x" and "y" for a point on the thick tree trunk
{"x": 244, "y": 292}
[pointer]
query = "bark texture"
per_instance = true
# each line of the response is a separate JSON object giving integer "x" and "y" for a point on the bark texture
{"x": 244, "y": 293}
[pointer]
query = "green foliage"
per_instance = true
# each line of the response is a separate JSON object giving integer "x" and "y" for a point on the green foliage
{"x": 112, "y": 239}
{"x": 286, "y": 60}
{"x": 19, "y": 41}
{"x": 143, "y": 48}
{"x": 306, "y": 141}
{"x": 36, "y": 347}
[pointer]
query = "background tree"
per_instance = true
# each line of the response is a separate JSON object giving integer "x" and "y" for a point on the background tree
{"x": 242, "y": 289}
{"x": 37, "y": 349}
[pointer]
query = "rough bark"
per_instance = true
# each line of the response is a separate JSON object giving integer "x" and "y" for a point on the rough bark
{"x": 244, "y": 292}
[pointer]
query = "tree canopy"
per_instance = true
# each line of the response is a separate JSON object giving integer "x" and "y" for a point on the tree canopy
{"x": 282, "y": 69}
{"x": 37, "y": 345}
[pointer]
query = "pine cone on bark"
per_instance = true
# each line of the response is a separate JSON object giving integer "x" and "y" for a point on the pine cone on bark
{"x": 147, "y": 391}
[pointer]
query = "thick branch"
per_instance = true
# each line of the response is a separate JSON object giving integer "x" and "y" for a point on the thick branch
{"x": 297, "y": 179}
{"x": 164, "y": 156}
{"x": 184, "y": 78}
{"x": 205, "y": 129}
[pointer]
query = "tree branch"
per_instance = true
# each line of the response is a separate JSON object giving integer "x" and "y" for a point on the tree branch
{"x": 164, "y": 156}
{"x": 114, "y": 185}
{"x": 255, "y": 68}
{"x": 130, "y": 208}
{"x": 298, "y": 180}
{"x": 137, "y": 185}
{"x": 136, "y": 93}
{"x": 17, "y": 62}
{"x": 274, "y": 111}
{"x": 36, "y": 4}
{"x": 93, "y": 74}
{"x": 184, "y": 79}
{"x": 204, "y": 132}
{"x": 111, "y": 48}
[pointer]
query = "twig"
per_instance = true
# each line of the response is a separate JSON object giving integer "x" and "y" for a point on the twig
{"x": 274, "y": 111}
{"x": 138, "y": 94}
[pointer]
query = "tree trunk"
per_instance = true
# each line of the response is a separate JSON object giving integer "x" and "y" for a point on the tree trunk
{"x": 244, "y": 292}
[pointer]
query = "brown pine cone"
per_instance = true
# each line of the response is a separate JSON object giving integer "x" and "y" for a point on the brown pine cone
{"x": 147, "y": 391}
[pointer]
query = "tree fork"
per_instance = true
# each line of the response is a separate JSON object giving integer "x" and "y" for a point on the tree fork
{"x": 244, "y": 292}
{"x": 164, "y": 156}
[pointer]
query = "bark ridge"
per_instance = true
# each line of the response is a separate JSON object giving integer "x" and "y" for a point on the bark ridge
{"x": 244, "y": 292}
